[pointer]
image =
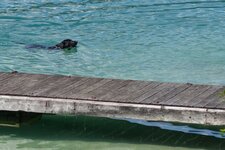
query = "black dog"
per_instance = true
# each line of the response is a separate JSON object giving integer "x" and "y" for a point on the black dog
{"x": 65, "y": 44}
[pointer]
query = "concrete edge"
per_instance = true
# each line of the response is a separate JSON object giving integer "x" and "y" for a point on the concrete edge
{"x": 112, "y": 109}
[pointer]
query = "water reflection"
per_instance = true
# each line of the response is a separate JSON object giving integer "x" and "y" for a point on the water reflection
{"x": 102, "y": 132}
{"x": 182, "y": 128}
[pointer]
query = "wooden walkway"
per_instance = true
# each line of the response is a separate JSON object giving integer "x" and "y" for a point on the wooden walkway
{"x": 56, "y": 94}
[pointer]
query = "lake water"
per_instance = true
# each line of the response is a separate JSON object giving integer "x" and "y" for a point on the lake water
{"x": 156, "y": 40}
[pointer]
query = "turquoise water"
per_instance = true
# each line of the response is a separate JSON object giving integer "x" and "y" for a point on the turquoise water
{"x": 160, "y": 40}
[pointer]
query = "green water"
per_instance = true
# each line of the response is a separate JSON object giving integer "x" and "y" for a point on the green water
{"x": 60, "y": 132}
{"x": 159, "y": 40}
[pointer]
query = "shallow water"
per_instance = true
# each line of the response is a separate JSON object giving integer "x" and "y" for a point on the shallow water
{"x": 89, "y": 133}
{"x": 160, "y": 40}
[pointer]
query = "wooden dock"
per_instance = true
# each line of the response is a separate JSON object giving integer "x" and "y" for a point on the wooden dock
{"x": 155, "y": 101}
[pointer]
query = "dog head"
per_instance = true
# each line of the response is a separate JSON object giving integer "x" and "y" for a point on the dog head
{"x": 68, "y": 43}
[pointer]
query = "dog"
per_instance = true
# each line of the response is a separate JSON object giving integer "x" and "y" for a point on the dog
{"x": 65, "y": 44}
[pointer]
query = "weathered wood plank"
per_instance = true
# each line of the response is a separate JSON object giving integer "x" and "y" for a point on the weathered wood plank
{"x": 189, "y": 93}
{"x": 165, "y": 90}
{"x": 50, "y": 86}
{"x": 93, "y": 87}
{"x": 4, "y": 76}
{"x": 57, "y": 86}
{"x": 72, "y": 93}
{"x": 73, "y": 85}
{"x": 126, "y": 93}
{"x": 104, "y": 89}
{"x": 163, "y": 100}
{"x": 210, "y": 101}
{"x": 62, "y": 86}
{"x": 30, "y": 85}
{"x": 111, "y": 94}
{"x": 113, "y": 90}
{"x": 213, "y": 100}
{"x": 194, "y": 101}
{"x": 42, "y": 86}
{"x": 188, "y": 103}
{"x": 134, "y": 95}
{"x": 9, "y": 84}
{"x": 153, "y": 91}
{"x": 220, "y": 104}
{"x": 53, "y": 82}
{"x": 215, "y": 103}
{"x": 184, "y": 101}
{"x": 2, "y": 73}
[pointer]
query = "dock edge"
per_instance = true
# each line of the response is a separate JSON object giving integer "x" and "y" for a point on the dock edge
{"x": 112, "y": 110}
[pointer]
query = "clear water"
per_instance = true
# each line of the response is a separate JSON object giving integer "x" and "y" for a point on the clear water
{"x": 160, "y": 40}
{"x": 88, "y": 133}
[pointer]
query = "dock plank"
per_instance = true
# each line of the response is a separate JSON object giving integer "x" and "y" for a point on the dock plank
{"x": 134, "y": 95}
{"x": 73, "y": 83}
{"x": 113, "y": 93}
{"x": 220, "y": 104}
{"x": 153, "y": 91}
{"x": 68, "y": 89}
{"x": 98, "y": 89}
{"x": 59, "y": 85}
{"x": 194, "y": 101}
{"x": 42, "y": 86}
{"x": 211, "y": 100}
{"x": 131, "y": 90}
{"x": 215, "y": 103}
{"x": 179, "y": 102}
{"x": 28, "y": 84}
{"x": 198, "y": 93}
{"x": 163, "y": 99}
{"x": 187, "y": 94}
{"x": 104, "y": 89}
{"x": 73, "y": 92}
{"x": 5, "y": 75}
{"x": 93, "y": 87}
{"x": 12, "y": 82}
{"x": 167, "y": 89}
{"x": 85, "y": 93}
